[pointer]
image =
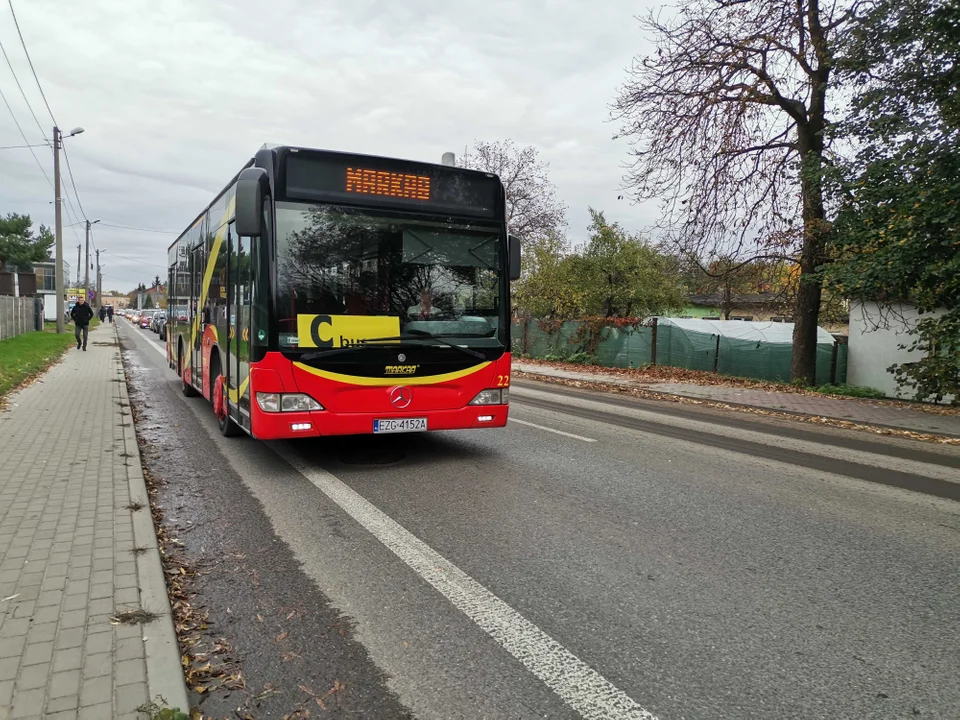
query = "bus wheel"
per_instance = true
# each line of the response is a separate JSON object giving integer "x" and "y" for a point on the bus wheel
{"x": 228, "y": 428}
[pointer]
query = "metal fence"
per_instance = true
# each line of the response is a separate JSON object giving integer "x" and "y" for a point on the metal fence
{"x": 20, "y": 315}
{"x": 665, "y": 343}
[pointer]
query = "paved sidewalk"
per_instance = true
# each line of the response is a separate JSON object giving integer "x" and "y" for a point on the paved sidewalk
{"x": 70, "y": 467}
{"x": 853, "y": 410}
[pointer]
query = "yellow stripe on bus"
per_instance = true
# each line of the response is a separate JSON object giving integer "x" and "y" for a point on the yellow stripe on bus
{"x": 208, "y": 276}
{"x": 393, "y": 379}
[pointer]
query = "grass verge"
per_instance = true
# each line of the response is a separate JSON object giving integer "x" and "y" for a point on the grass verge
{"x": 24, "y": 356}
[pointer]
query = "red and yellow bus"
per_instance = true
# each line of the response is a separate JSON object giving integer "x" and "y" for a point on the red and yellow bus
{"x": 326, "y": 293}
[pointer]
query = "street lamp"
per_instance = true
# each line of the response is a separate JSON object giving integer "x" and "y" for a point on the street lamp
{"x": 61, "y": 291}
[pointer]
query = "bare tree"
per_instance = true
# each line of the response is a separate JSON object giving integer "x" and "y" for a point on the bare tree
{"x": 533, "y": 210}
{"x": 727, "y": 126}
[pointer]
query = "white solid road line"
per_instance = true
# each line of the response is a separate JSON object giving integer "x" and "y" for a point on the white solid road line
{"x": 553, "y": 430}
{"x": 577, "y": 684}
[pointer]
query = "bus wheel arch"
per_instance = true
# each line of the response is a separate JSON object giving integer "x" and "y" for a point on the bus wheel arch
{"x": 185, "y": 387}
{"x": 219, "y": 396}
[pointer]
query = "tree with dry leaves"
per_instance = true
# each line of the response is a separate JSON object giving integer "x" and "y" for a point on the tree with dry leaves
{"x": 727, "y": 123}
{"x": 533, "y": 211}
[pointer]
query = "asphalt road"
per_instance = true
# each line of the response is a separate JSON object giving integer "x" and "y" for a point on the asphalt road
{"x": 600, "y": 557}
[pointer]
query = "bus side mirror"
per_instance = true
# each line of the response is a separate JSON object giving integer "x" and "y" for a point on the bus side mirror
{"x": 513, "y": 260}
{"x": 252, "y": 186}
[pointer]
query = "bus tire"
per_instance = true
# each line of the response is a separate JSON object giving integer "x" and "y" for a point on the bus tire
{"x": 186, "y": 388}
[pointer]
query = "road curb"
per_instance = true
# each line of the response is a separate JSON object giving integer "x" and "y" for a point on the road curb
{"x": 161, "y": 649}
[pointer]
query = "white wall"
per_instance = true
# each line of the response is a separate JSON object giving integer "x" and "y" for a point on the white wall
{"x": 876, "y": 333}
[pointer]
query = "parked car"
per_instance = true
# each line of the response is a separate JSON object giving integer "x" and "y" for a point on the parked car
{"x": 162, "y": 326}
{"x": 155, "y": 320}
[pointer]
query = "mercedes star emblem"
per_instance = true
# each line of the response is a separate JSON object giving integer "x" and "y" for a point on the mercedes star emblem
{"x": 401, "y": 397}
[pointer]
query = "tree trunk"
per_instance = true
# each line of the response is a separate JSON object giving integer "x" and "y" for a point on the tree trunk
{"x": 803, "y": 365}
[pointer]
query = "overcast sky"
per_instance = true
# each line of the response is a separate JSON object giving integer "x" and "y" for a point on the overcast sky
{"x": 175, "y": 96}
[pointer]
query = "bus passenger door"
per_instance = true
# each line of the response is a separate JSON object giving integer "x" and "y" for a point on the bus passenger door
{"x": 240, "y": 340}
{"x": 196, "y": 314}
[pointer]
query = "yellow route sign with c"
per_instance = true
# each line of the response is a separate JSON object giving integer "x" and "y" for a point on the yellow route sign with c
{"x": 334, "y": 331}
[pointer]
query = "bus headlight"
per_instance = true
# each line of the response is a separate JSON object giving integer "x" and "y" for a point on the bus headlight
{"x": 493, "y": 396}
{"x": 298, "y": 402}
{"x": 287, "y": 402}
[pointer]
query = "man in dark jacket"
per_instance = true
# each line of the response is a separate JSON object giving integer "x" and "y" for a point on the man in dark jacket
{"x": 82, "y": 314}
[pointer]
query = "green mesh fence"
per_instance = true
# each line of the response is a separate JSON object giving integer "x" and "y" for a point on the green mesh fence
{"x": 682, "y": 348}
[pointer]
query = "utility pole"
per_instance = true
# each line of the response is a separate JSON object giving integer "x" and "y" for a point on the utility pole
{"x": 86, "y": 265}
{"x": 79, "y": 261}
{"x": 59, "y": 228}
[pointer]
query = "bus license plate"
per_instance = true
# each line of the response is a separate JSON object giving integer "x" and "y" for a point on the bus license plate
{"x": 400, "y": 425}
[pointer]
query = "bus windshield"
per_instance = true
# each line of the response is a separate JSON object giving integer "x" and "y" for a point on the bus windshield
{"x": 442, "y": 277}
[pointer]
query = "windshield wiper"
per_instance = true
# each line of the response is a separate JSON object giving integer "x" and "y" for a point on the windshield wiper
{"x": 410, "y": 335}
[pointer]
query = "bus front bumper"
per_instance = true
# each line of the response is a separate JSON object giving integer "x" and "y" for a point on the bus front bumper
{"x": 320, "y": 423}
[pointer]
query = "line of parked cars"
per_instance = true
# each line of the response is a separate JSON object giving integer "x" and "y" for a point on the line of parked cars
{"x": 155, "y": 320}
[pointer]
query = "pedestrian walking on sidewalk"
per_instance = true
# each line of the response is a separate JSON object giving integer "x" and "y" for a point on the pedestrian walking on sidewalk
{"x": 82, "y": 314}
{"x": 110, "y": 312}
{"x": 103, "y": 314}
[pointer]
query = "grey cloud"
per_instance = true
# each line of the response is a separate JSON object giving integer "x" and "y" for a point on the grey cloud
{"x": 175, "y": 96}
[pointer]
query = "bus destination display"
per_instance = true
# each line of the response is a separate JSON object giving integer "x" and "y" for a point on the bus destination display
{"x": 363, "y": 180}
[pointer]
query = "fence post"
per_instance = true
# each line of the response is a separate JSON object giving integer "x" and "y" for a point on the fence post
{"x": 526, "y": 333}
{"x": 833, "y": 361}
{"x": 653, "y": 342}
{"x": 716, "y": 356}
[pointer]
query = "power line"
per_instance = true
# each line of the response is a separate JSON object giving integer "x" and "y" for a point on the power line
{"x": 126, "y": 227}
{"x": 17, "y": 80}
{"x": 24, "y": 136}
{"x": 20, "y": 147}
{"x": 26, "y": 52}
{"x": 130, "y": 259}
{"x": 73, "y": 183}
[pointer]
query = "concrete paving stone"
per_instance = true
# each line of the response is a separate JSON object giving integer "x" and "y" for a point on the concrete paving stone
{"x": 13, "y": 647}
{"x": 59, "y": 704}
{"x": 101, "y": 576}
{"x": 24, "y": 610}
{"x": 101, "y": 606}
{"x": 77, "y": 587}
{"x": 71, "y": 659}
{"x": 28, "y": 579}
{"x": 9, "y": 668}
{"x": 130, "y": 697}
{"x": 97, "y": 665}
{"x": 127, "y": 596}
{"x": 39, "y": 652}
{"x": 73, "y": 618}
{"x": 70, "y": 638}
{"x": 50, "y": 598}
{"x": 6, "y": 692}
{"x": 14, "y": 627}
{"x": 126, "y": 632}
{"x": 42, "y": 632}
{"x": 74, "y": 602}
{"x": 48, "y": 614}
{"x": 96, "y": 643}
{"x": 96, "y": 690}
{"x": 27, "y": 703}
{"x": 62, "y": 715}
{"x": 95, "y": 712}
{"x": 129, "y": 672}
{"x": 103, "y": 564}
{"x": 28, "y": 593}
{"x": 65, "y": 683}
{"x": 78, "y": 573}
{"x": 102, "y": 590}
{"x": 32, "y": 677}
{"x": 129, "y": 649}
